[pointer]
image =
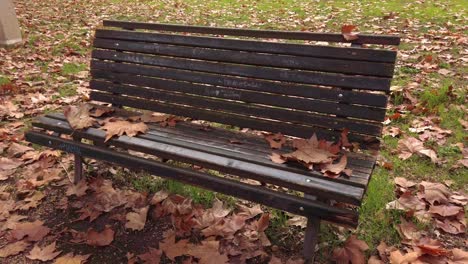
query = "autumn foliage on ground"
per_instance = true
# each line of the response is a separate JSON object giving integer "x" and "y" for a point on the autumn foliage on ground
{"x": 415, "y": 210}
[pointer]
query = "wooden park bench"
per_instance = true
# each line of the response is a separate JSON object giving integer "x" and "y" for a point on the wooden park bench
{"x": 296, "y": 89}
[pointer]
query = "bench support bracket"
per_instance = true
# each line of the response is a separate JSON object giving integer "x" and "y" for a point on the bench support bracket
{"x": 311, "y": 238}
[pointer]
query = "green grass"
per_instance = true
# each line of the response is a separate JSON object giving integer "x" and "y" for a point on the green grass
{"x": 67, "y": 90}
{"x": 73, "y": 68}
{"x": 374, "y": 220}
{"x": 4, "y": 80}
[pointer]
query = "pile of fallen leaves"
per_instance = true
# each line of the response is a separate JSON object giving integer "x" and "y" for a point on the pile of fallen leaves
{"x": 434, "y": 205}
{"x": 85, "y": 115}
{"x": 314, "y": 154}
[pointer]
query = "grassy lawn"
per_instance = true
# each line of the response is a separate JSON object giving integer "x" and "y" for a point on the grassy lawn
{"x": 423, "y": 25}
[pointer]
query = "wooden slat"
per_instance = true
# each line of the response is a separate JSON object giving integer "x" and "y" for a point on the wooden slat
{"x": 249, "y": 144}
{"x": 350, "y": 53}
{"x": 239, "y": 107}
{"x": 295, "y": 181}
{"x": 213, "y": 144}
{"x": 236, "y": 120}
{"x": 299, "y": 35}
{"x": 252, "y": 58}
{"x": 125, "y": 74}
{"x": 295, "y": 76}
{"x": 319, "y": 106}
{"x": 267, "y": 197}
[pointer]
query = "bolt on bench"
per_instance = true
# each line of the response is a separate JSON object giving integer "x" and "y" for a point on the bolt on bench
{"x": 295, "y": 89}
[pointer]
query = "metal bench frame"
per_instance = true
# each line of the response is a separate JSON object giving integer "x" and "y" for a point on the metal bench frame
{"x": 295, "y": 89}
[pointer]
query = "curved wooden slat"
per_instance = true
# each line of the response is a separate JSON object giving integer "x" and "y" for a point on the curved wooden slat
{"x": 299, "y": 35}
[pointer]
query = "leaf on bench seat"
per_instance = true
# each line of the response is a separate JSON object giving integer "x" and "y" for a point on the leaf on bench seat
{"x": 79, "y": 116}
{"x": 120, "y": 127}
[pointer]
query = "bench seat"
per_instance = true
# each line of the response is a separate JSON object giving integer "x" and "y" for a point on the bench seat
{"x": 248, "y": 157}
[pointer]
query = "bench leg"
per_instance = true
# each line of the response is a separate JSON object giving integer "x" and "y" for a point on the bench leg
{"x": 311, "y": 239}
{"x": 78, "y": 165}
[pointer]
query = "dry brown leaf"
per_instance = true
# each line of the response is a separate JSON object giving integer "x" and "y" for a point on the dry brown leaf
{"x": 435, "y": 192}
{"x": 410, "y": 145}
{"x": 100, "y": 239}
{"x": 13, "y": 249}
{"x": 16, "y": 150}
{"x": 408, "y": 230}
{"x": 335, "y": 169}
{"x": 397, "y": 258}
{"x": 136, "y": 220}
{"x": 451, "y": 226}
{"x": 12, "y": 221}
{"x": 72, "y": 259}
{"x": 159, "y": 197}
{"x": 171, "y": 248}
{"x": 297, "y": 220}
{"x": 403, "y": 182}
{"x": 459, "y": 256}
{"x": 208, "y": 253}
{"x": 43, "y": 254}
{"x": 411, "y": 202}
{"x": 276, "y": 141}
{"x": 33, "y": 231}
{"x": 120, "y": 127}
{"x": 9, "y": 164}
{"x": 249, "y": 212}
{"x": 153, "y": 256}
{"x": 347, "y": 32}
{"x": 352, "y": 251}
{"x": 445, "y": 210}
{"x": 78, "y": 189}
{"x": 78, "y": 116}
{"x": 263, "y": 222}
{"x": 431, "y": 246}
{"x": 31, "y": 201}
{"x": 100, "y": 110}
{"x": 277, "y": 158}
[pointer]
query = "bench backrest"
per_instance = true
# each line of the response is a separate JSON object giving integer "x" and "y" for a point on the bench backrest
{"x": 295, "y": 89}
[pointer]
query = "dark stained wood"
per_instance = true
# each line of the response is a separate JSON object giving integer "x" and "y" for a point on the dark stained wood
{"x": 251, "y": 58}
{"x": 350, "y": 53}
{"x": 299, "y": 35}
{"x": 124, "y": 74}
{"x": 211, "y": 143}
{"x": 270, "y": 198}
{"x": 295, "y": 76}
{"x": 304, "y": 183}
{"x": 236, "y": 120}
{"x": 289, "y": 115}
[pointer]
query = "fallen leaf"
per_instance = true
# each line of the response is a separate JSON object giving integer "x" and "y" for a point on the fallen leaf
{"x": 276, "y": 141}
{"x": 72, "y": 259}
{"x": 153, "y": 256}
{"x": 458, "y": 256}
{"x": 100, "y": 110}
{"x": 121, "y": 127}
{"x": 400, "y": 181}
{"x": 445, "y": 210}
{"x": 78, "y": 189}
{"x": 263, "y": 222}
{"x": 397, "y": 258}
{"x": 435, "y": 192}
{"x": 277, "y": 158}
{"x": 451, "y": 226}
{"x": 136, "y": 220}
{"x": 208, "y": 253}
{"x": 297, "y": 220}
{"x": 410, "y": 145}
{"x": 432, "y": 247}
{"x": 104, "y": 238}
{"x": 33, "y": 231}
{"x": 408, "y": 230}
{"x": 352, "y": 251}
{"x": 335, "y": 169}
{"x": 347, "y": 32}
{"x": 13, "y": 249}
{"x": 9, "y": 164}
{"x": 171, "y": 248}
{"x": 43, "y": 254}
{"x": 78, "y": 116}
